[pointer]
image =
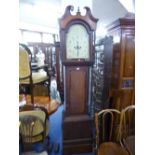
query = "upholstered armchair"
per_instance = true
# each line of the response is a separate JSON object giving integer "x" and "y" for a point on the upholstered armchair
{"x": 34, "y": 126}
{"x": 26, "y": 76}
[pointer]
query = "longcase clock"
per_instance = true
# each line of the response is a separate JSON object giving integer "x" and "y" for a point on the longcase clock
{"x": 77, "y": 37}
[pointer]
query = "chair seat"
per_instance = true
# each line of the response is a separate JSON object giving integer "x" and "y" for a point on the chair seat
{"x": 37, "y": 77}
{"x": 110, "y": 148}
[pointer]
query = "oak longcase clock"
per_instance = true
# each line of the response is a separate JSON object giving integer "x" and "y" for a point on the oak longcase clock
{"x": 77, "y": 37}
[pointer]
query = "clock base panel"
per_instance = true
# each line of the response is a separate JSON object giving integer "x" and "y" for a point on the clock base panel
{"x": 77, "y": 134}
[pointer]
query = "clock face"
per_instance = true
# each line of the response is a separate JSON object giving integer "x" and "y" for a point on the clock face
{"x": 77, "y": 42}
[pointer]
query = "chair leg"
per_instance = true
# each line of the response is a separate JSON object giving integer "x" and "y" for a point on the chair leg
{"x": 21, "y": 145}
{"x": 56, "y": 147}
{"x": 32, "y": 95}
{"x": 49, "y": 94}
{"x": 49, "y": 145}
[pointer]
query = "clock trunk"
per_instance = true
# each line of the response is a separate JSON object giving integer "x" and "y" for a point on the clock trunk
{"x": 77, "y": 89}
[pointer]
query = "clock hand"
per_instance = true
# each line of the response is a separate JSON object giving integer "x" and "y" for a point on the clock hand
{"x": 77, "y": 47}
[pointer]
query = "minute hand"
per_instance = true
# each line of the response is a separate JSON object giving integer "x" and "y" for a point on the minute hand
{"x": 77, "y": 47}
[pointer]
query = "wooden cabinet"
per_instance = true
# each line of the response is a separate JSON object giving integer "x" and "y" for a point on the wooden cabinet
{"x": 102, "y": 73}
{"x": 123, "y": 62}
{"x": 59, "y": 70}
{"x": 119, "y": 66}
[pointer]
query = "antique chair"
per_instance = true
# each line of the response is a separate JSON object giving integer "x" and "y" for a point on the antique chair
{"x": 34, "y": 126}
{"x": 26, "y": 76}
{"x": 106, "y": 130}
{"x": 128, "y": 128}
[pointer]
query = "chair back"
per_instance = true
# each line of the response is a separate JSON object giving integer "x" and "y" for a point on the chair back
{"x": 127, "y": 128}
{"x": 24, "y": 62}
{"x": 33, "y": 124}
{"x": 30, "y": 78}
{"x": 127, "y": 121}
{"x": 105, "y": 125}
{"x": 31, "y": 107}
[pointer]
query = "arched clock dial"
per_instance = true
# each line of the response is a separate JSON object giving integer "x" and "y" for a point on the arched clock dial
{"x": 77, "y": 42}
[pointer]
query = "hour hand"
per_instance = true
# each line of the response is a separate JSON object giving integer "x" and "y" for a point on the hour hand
{"x": 77, "y": 47}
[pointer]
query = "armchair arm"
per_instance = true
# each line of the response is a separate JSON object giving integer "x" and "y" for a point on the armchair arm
{"x": 45, "y": 67}
{"x": 36, "y": 68}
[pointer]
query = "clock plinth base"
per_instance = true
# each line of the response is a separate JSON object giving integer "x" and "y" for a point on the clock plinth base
{"x": 77, "y": 134}
{"x": 77, "y": 148}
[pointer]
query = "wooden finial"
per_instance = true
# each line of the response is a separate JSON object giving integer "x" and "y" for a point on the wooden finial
{"x": 78, "y": 10}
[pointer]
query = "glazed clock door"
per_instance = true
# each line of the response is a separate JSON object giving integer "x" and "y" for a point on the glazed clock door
{"x": 77, "y": 42}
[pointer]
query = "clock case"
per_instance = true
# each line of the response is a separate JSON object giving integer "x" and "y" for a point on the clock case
{"x": 77, "y": 123}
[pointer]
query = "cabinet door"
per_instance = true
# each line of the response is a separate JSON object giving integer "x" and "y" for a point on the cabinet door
{"x": 77, "y": 90}
{"x": 129, "y": 55}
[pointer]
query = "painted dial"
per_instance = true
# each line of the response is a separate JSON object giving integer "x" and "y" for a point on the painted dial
{"x": 77, "y": 42}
